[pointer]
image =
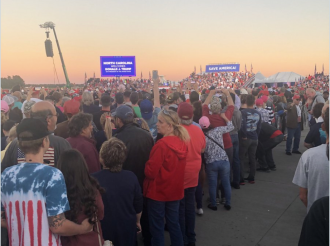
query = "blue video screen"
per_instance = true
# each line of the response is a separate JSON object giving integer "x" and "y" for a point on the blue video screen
{"x": 222, "y": 68}
{"x": 118, "y": 66}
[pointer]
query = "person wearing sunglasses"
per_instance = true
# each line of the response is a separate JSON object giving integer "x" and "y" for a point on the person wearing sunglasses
{"x": 164, "y": 182}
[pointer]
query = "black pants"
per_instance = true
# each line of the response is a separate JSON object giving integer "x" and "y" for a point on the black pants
{"x": 145, "y": 224}
{"x": 265, "y": 157}
{"x": 265, "y": 151}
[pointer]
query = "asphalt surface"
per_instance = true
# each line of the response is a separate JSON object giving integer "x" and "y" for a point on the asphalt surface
{"x": 267, "y": 213}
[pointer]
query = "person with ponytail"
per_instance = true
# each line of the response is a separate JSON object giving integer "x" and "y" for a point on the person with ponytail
{"x": 108, "y": 130}
{"x": 164, "y": 182}
{"x": 84, "y": 195}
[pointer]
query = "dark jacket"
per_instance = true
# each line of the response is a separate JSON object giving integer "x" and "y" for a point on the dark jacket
{"x": 267, "y": 132}
{"x": 139, "y": 143}
{"x": 292, "y": 116}
{"x": 61, "y": 117}
{"x": 91, "y": 109}
{"x": 97, "y": 117}
{"x": 62, "y": 129}
{"x": 86, "y": 147}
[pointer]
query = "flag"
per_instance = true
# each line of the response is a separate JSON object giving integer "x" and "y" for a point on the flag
{"x": 251, "y": 68}
{"x": 201, "y": 69}
{"x": 141, "y": 74}
{"x": 323, "y": 68}
{"x": 149, "y": 75}
{"x": 245, "y": 69}
{"x": 48, "y": 156}
{"x": 315, "y": 70}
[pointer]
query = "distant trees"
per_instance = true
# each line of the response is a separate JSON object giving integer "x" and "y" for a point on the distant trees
{"x": 10, "y": 82}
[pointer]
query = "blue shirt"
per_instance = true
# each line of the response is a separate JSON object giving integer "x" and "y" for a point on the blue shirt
{"x": 152, "y": 123}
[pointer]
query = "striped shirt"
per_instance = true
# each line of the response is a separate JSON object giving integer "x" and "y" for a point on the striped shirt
{"x": 270, "y": 113}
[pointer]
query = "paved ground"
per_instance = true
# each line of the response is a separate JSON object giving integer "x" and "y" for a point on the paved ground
{"x": 267, "y": 213}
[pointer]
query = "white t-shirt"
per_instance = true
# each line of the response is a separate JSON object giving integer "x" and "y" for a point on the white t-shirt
{"x": 312, "y": 173}
{"x": 298, "y": 110}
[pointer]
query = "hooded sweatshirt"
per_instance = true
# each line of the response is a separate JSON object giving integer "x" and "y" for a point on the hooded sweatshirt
{"x": 165, "y": 170}
{"x": 317, "y": 99}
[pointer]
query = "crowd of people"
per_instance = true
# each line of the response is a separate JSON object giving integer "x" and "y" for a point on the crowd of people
{"x": 121, "y": 157}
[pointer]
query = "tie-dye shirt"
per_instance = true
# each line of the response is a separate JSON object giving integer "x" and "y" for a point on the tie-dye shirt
{"x": 30, "y": 193}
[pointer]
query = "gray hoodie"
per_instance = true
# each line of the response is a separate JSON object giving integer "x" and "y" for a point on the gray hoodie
{"x": 317, "y": 99}
{"x": 236, "y": 119}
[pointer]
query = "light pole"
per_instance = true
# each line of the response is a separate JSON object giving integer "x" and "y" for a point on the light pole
{"x": 51, "y": 25}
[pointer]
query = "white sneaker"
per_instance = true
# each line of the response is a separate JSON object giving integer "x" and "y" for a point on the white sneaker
{"x": 200, "y": 211}
{"x": 223, "y": 200}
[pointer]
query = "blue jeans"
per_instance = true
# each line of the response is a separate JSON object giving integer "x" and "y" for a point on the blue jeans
{"x": 187, "y": 215}
{"x": 293, "y": 133}
{"x": 219, "y": 169}
{"x": 157, "y": 212}
{"x": 236, "y": 162}
{"x": 199, "y": 195}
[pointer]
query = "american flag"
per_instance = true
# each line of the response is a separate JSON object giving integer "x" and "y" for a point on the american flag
{"x": 36, "y": 193}
{"x": 48, "y": 156}
{"x": 24, "y": 228}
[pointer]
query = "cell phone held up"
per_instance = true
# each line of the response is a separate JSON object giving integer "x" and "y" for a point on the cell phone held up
{"x": 154, "y": 74}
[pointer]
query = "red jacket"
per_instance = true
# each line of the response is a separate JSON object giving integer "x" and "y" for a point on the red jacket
{"x": 216, "y": 120}
{"x": 165, "y": 170}
{"x": 87, "y": 148}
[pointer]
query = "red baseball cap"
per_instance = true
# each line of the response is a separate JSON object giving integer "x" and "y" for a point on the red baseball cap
{"x": 259, "y": 102}
{"x": 185, "y": 111}
{"x": 264, "y": 99}
{"x": 296, "y": 97}
{"x": 71, "y": 107}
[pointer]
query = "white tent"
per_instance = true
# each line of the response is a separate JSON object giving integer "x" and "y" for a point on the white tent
{"x": 281, "y": 77}
{"x": 259, "y": 76}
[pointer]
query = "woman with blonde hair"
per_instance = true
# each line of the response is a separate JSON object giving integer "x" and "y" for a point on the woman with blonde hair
{"x": 108, "y": 130}
{"x": 163, "y": 184}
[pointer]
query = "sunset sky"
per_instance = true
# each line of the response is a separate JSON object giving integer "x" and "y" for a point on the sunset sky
{"x": 171, "y": 36}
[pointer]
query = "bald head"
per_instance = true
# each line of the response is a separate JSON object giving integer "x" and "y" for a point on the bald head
{"x": 42, "y": 106}
{"x": 46, "y": 111}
